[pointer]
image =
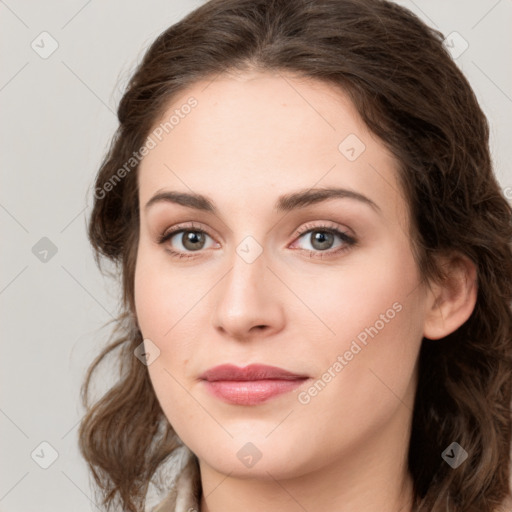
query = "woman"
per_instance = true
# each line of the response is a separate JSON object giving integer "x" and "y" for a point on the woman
{"x": 316, "y": 269}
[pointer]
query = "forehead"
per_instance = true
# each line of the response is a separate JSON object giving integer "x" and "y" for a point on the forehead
{"x": 259, "y": 135}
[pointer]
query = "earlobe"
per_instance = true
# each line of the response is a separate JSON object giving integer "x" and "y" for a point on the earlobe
{"x": 451, "y": 302}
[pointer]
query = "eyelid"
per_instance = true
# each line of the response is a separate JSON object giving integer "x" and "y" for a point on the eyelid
{"x": 186, "y": 226}
{"x": 305, "y": 228}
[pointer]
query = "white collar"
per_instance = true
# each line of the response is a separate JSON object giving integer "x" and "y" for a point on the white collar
{"x": 185, "y": 490}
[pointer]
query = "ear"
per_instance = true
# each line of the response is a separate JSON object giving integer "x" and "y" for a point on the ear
{"x": 451, "y": 302}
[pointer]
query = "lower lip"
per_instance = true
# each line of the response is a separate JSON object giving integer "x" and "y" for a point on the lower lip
{"x": 251, "y": 392}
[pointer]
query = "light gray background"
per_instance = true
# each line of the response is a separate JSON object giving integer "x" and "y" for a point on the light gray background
{"x": 58, "y": 114}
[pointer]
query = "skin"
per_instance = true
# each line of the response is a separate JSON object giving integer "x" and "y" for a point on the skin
{"x": 251, "y": 138}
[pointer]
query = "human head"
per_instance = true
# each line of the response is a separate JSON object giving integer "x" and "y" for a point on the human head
{"x": 422, "y": 110}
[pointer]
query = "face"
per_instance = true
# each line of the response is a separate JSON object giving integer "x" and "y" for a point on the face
{"x": 325, "y": 288}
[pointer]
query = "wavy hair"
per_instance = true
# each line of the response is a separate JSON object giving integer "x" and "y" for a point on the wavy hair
{"x": 411, "y": 94}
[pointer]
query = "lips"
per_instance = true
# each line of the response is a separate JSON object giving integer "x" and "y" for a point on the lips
{"x": 251, "y": 385}
{"x": 251, "y": 372}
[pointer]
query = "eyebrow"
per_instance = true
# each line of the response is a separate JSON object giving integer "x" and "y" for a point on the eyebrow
{"x": 285, "y": 203}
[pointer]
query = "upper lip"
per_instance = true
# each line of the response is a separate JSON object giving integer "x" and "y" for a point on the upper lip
{"x": 251, "y": 372}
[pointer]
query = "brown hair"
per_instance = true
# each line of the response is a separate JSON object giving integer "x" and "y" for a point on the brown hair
{"x": 412, "y": 95}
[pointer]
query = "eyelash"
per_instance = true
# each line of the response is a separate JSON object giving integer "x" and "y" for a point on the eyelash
{"x": 348, "y": 240}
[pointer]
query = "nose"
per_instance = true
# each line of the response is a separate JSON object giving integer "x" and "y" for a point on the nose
{"x": 248, "y": 301}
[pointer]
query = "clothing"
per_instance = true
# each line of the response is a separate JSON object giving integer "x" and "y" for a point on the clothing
{"x": 185, "y": 492}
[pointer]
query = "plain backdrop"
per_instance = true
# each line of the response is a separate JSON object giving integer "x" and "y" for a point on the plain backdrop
{"x": 64, "y": 66}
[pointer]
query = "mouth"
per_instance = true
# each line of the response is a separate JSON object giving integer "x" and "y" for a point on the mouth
{"x": 251, "y": 385}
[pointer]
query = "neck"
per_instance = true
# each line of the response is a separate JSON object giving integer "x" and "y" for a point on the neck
{"x": 286, "y": 496}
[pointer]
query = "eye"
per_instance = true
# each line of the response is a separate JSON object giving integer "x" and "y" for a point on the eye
{"x": 183, "y": 239}
{"x": 322, "y": 240}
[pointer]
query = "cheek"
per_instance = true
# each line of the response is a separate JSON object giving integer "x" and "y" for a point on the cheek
{"x": 161, "y": 314}
{"x": 167, "y": 302}
{"x": 146, "y": 298}
{"x": 374, "y": 292}
{"x": 375, "y": 316}
{"x": 163, "y": 294}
